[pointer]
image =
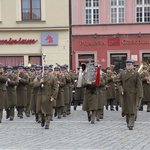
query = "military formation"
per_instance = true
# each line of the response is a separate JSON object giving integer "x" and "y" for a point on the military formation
{"x": 47, "y": 91}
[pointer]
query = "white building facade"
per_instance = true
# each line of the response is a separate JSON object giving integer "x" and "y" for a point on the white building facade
{"x": 29, "y": 28}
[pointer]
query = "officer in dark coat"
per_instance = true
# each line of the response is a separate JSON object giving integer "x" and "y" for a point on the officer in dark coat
{"x": 130, "y": 84}
{"x": 48, "y": 89}
{"x": 21, "y": 91}
{"x": 11, "y": 92}
{"x": 3, "y": 91}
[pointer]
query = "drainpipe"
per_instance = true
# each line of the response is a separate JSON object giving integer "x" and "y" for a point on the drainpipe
{"x": 70, "y": 35}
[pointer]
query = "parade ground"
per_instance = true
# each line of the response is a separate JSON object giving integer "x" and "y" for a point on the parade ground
{"x": 75, "y": 132}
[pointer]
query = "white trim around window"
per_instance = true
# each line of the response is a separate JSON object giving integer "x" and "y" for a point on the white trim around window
{"x": 141, "y": 53}
{"x": 84, "y": 52}
{"x": 18, "y": 10}
{"x": 0, "y": 11}
{"x": 109, "y": 52}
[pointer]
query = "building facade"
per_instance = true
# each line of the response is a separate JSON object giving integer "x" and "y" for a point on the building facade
{"x": 110, "y": 31}
{"x": 31, "y": 28}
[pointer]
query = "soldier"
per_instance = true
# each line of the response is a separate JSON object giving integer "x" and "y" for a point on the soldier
{"x": 60, "y": 101}
{"x": 21, "y": 91}
{"x": 145, "y": 77}
{"x": 67, "y": 89}
{"x": 129, "y": 84}
{"x": 35, "y": 100}
{"x": 78, "y": 90}
{"x": 29, "y": 89}
{"x": 100, "y": 96}
{"x": 3, "y": 91}
{"x": 11, "y": 92}
{"x": 48, "y": 90}
{"x": 110, "y": 89}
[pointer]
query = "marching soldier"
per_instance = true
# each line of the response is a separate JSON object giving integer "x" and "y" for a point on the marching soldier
{"x": 48, "y": 92}
{"x": 21, "y": 91}
{"x": 35, "y": 98}
{"x": 11, "y": 92}
{"x": 3, "y": 91}
{"x": 60, "y": 101}
{"x": 100, "y": 96}
{"x": 79, "y": 92}
{"x": 145, "y": 77}
{"x": 129, "y": 84}
{"x": 110, "y": 89}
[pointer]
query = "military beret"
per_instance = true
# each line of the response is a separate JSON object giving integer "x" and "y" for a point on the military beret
{"x": 144, "y": 67}
{"x": 26, "y": 68}
{"x": 46, "y": 67}
{"x": 1, "y": 65}
{"x": 129, "y": 62}
{"x": 38, "y": 67}
{"x": 9, "y": 68}
{"x": 20, "y": 66}
{"x": 56, "y": 69}
{"x": 32, "y": 69}
{"x": 136, "y": 65}
{"x": 108, "y": 68}
{"x": 50, "y": 69}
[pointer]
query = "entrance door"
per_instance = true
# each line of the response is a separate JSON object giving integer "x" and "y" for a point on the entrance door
{"x": 118, "y": 60}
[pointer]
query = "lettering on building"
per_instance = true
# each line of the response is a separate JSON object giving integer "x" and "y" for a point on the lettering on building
{"x": 19, "y": 41}
{"x": 135, "y": 42}
{"x": 92, "y": 43}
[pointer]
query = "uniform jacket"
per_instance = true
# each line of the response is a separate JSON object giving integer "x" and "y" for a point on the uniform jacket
{"x": 130, "y": 83}
{"x": 22, "y": 90}
{"x": 11, "y": 90}
{"x": 3, "y": 90}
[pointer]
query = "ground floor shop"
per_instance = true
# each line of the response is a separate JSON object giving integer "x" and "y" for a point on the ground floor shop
{"x": 109, "y": 51}
{"x": 27, "y": 47}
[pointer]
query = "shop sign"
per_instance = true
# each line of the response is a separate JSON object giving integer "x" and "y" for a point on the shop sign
{"x": 19, "y": 41}
{"x": 92, "y": 43}
{"x": 49, "y": 39}
{"x": 135, "y": 42}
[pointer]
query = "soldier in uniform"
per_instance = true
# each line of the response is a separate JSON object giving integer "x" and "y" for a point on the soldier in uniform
{"x": 67, "y": 91}
{"x": 60, "y": 101}
{"x": 21, "y": 91}
{"x": 35, "y": 98}
{"x": 145, "y": 77}
{"x": 3, "y": 91}
{"x": 78, "y": 90}
{"x": 100, "y": 97}
{"x": 48, "y": 90}
{"x": 130, "y": 83}
{"x": 11, "y": 92}
{"x": 110, "y": 92}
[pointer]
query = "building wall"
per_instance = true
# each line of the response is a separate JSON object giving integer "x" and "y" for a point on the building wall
{"x": 92, "y": 34}
{"x": 55, "y": 19}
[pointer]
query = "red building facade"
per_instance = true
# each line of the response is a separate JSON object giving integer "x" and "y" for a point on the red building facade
{"x": 110, "y": 43}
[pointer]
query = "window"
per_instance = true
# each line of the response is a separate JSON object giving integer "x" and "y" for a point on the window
{"x": 92, "y": 11}
{"x": 143, "y": 11}
{"x": 117, "y": 11}
{"x": 35, "y": 60}
{"x": 118, "y": 60}
{"x": 146, "y": 58}
{"x": 31, "y": 9}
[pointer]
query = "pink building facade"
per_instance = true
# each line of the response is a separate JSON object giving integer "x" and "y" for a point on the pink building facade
{"x": 110, "y": 31}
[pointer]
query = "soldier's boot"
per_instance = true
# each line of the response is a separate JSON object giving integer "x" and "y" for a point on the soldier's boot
{"x": 106, "y": 107}
{"x": 7, "y": 113}
{"x": 39, "y": 118}
{"x": 116, "y": 107}
{"x": 36, "y": 117}
{"x": 89, "y": 116}
{"x": 141, "y": 108}
{"x": 64, "y": 114}
{"x": 98, "y": 115}
{"x": 46, "y": 126}
{"x": 1, "y": 115}
{"x": 93, "y": 116}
